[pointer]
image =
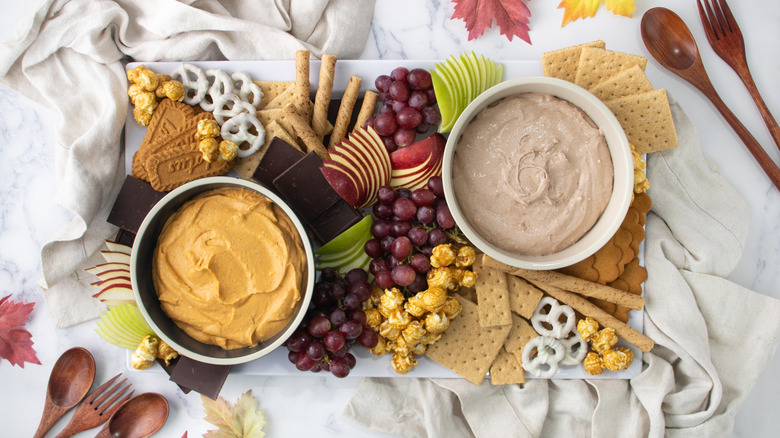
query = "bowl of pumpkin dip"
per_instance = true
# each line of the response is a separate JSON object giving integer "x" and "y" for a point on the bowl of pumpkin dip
{"x": 222, "y": 270}
{"x": 538, "y": 173}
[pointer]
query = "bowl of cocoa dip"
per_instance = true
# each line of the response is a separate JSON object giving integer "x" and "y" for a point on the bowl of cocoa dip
{"x": 538, "y": 173}
{"x": 222, "y": 270}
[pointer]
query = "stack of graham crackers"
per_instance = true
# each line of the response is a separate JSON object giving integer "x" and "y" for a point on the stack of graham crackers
{"x": 493, "y": 327}
{"x": 287, "y": 111}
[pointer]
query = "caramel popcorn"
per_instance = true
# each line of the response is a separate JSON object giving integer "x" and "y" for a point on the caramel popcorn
{"x": 171, "y": 89}
{"x": 436, "y": 322}
{"x": 373, "y": 300}
{"x": 210, "y": 149}
{"x": 413, "y": 305}
{"x": 466, "y": 257}
{"x": 399, "y": 319}
{"x": 593, "y": 364}
{"x": 134, "y": 90}
{"x": 420, "y": 349}
{"x": 402, "y": 363}
{"x": 391, "y": 300}
{"x": 433, "y": 299}
{"x": 641, "y": 183}
{"x": 145, "y": 101}
{"x": 401, "y": 346}
{"x": 451, "y": 308}
{"x": 227, "y": 150}
{"x": 430, "y": 338}
{"x": 387, "y": 331}
{"x": 603, "y": 340}
{"x": 207, "y": 128}
{"x": 165, "y": 352}
{"x": 142, "y": 117}
{"x": 413, "y": 333}
{"x": 469, "y": 279}
{"x": 587, "y": 328}
{"x": 442, "y": 277}
{"x": 145, "y": 354}
{"x": 145, "y": 78}
{"x": 373, "y": 318}
{"x": 617, "y": 359}
{"x": 380, "y": 347}
{"x": 443, "y": 255}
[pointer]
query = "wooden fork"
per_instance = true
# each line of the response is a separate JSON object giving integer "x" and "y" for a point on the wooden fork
{"x": 92, "y": 413}
{"x": 726, "y": 40}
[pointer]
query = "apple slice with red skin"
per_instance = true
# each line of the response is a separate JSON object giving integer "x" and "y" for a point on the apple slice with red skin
{"x": 352, "y": 166}
{"x": 360, "y": 161}
{"x": 373, "y": 144}
{"x": 341, "y": 183}
{"x": 423, "y": 157}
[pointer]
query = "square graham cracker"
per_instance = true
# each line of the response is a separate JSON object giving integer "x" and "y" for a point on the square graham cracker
{"x": 625, "y": 83}
{"x": 563, "y": 63}
{"x": 647, "y": 120}
{"x": 270, "y": 90}
{"x": 492, "y": 296}
{"x": 466, "y": 348}
{"x": 523, "y": 296}
{"x": 506, "y": 369}
{"x": 519, "y": 335}
{"x": 598, "y": 65}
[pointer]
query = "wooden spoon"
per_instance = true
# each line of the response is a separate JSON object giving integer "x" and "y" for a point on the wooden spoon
{"x": 670, "y": 42}
{"x": 70, "y": 380}
{"x": 140, "y": 417}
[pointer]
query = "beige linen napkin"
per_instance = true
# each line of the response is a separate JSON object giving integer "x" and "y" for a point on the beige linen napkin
{"x": 69, "y": 56}
{"x": 713, "y": 337}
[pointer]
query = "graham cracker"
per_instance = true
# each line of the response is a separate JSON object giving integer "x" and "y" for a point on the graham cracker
{"x": 647, "y": 120}
{"x": 506, "y": 369}
{"x": 465, "y": 347}
{"x": 270, "y": 90}
{"x": 468, "y": 293}
{"x": 521, "y": 333}
{"x": 523, "y": 296}
{"x": 245, "y": 167}
{"x": 625, "y": 83}
{"x": 282, "y": 99}
{"x": 493, "y": 297}
{"x": 563, "y": 63}
{"x": 598, "y": 65}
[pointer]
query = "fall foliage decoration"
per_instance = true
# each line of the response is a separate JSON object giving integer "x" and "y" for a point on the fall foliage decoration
{"x": 16, "y": 342}
{"x": 511, "y": 16}
{"x": 241, "y": 420}
{"x": 576, "y": 9}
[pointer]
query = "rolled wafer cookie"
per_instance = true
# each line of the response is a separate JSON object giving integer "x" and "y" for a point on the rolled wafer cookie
{"x": 301, "y": 98}
{"x": 319, "y": 118}
{"x": 587, "y": 308}
{"x": 569, "y": 283}
{"x": 305, "y": 133}
{"x": 367, "y": 109}
{"x": 345, "y": 111}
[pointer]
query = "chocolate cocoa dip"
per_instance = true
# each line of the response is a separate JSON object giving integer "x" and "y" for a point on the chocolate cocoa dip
{"x": 229, "y": 268}
{"x": 532, "y": 174}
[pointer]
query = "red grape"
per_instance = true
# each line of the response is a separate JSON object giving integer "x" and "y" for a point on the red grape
{"x": 349, "y": 358}
{"x": 382, "y": 211}
{"x": 386, "y": 243}
{"x": 419, "y": 79}
{"x": 292, "y": 356}
{"x": 403, "y": 192}
{"x": 368, "y": 338}
{"x": 431, "y": 94}
{"x": 398, "y": 106}
{"x": 334, "y": 341}
{"x": 304, "y": 362}
{"x": 418, "y": 100}
{"x": 298, "y": 341}
{"x": 431, "y": 115}
{"x": 351, "y": 329}
{"x": 337, "y": 317}
{"x": 338, "y": 354}
{"x": 382, "y": 83}
{"x": 319, "y": 326}
{"x": 437, "y": 236}
{"x": 355, "y": 276}
{"x": 419, "y": 284}
{"x": 338, "y": 291}
{"x": 401, "y": 248}
{"x": 385, "y": 124}
{"x": 329, "y": 274}
{"x": 399, "y": 74}
{"x": 361, "y": 289}
{"x": 444, "y": 217}
{"x": 389, "y": 144}
{"x": 436, "y": 185}
{"x": 404, "y": 137}
{"x": 420, "y": 263}
{"x": 399, "y": 91}
{"x": 385, "y": 108}
{"x": 376, "y": 265}
{"x": 372, "y": 248}
{"x": 386, "y": 195}
{"x": 418, "y": 236}
{"x": 426, "y": 215}
{"x": 351, "y": 302}
{"x": 423, "y": 197}
{"x": 408, "y": 118}
{"x": 321, "y": 298}
{"x": 428, "y": 249}
{"x": 400, "y": 228}
{"x": 316, "y": 351}
{"x": 403, "y": 275}
{"x": 381, "y": 228}
{"x": 422, "y": 128}
{"x": 404, "y": 208}
{"x": 339, "y": 368}
{"x": 384, "y": 279}
{"x": 358, "y": 316}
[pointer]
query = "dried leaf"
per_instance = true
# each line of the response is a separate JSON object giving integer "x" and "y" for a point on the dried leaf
{"x": 576, "y": 9}
{"x": 512, "y": 17}
{"x": 240, "y": 421}
{"x": 16, "y": 342}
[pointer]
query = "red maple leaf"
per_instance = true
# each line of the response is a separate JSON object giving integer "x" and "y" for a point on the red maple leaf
{"x": 15, "y": 342}
{"x": 512, "y": 17}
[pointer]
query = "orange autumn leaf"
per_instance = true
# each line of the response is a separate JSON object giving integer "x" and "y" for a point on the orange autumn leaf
{"x": 576, "y": 9}
{"x": 511, "y": 16}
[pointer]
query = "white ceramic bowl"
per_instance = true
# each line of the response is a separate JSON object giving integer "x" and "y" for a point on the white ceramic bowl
{"x": 623, "y": 183}
{"x": 146, "y": 297}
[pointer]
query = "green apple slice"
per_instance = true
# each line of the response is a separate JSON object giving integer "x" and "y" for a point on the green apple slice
{"x": 339, "y": 258}
{"x": 347, "y": 239}
{"x": 123, "y": 326}
{"x": 356, "y": 254}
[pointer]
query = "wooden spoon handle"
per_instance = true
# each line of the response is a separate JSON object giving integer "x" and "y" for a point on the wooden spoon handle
{"x": 104, "y": 433}
{"x": 766, "y": 163}
{"x": 771, "y": 123}
{"x": 51, "y": 413}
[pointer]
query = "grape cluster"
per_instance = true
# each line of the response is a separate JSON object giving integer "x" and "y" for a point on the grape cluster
{"x": 409, "y": 225}
{"x": 333, "y": 324}
{"x": 408, "y": 107}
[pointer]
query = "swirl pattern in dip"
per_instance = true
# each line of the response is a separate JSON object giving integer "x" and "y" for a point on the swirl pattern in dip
{"x": 229, "y": 268}
{"x": 532, "y": 174}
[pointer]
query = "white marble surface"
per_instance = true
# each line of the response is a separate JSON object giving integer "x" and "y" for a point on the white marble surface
{"x": 401, "y": 29}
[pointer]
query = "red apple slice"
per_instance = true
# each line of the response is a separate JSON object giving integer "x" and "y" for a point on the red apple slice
{"x": 342, "y": 183}
{"x": 351, "y": 158}
{"x": 415, "y": 164}
{"x": 347, "y": 164}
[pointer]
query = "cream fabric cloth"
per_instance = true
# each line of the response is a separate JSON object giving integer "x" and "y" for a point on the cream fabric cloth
{"x": 713, "y": 337}
{"x": 69, "y": 56}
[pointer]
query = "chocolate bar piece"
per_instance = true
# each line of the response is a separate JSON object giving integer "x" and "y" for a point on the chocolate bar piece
{"x": 305, "y": 189}
{"x": 124, "y": 237}
{"x": 203, "y": 378}
{"x": 169, "y": 369}
{"x": 339, "y": 217}
{"x": 278, "y": 157}
{"x": 134, "y": 201}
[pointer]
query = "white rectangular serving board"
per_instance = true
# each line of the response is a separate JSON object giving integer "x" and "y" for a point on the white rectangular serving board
{"x": 276, "y": 363}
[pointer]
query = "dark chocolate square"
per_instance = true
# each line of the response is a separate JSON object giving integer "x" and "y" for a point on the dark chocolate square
{"x": 278, "y": 157}
{"x": 337, "y": 219}
{"x": 134, "y": 201}
{"x": 203, "y": 378}
{"x": 124, "y": 237}
{"x": 305, "y": 188}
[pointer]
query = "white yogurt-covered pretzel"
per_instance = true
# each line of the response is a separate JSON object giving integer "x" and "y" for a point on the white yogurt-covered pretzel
{"x": 237, "y": 130}
{"x": 248, "y": 91}
{"x": 230, "y": 105}
{"x": 221, "y": 84}
{"x": 549, "y": 352}
{"x": 199, "y": 84}
{"x": 552, "y": 318}
{"x": 575, "y": 348}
